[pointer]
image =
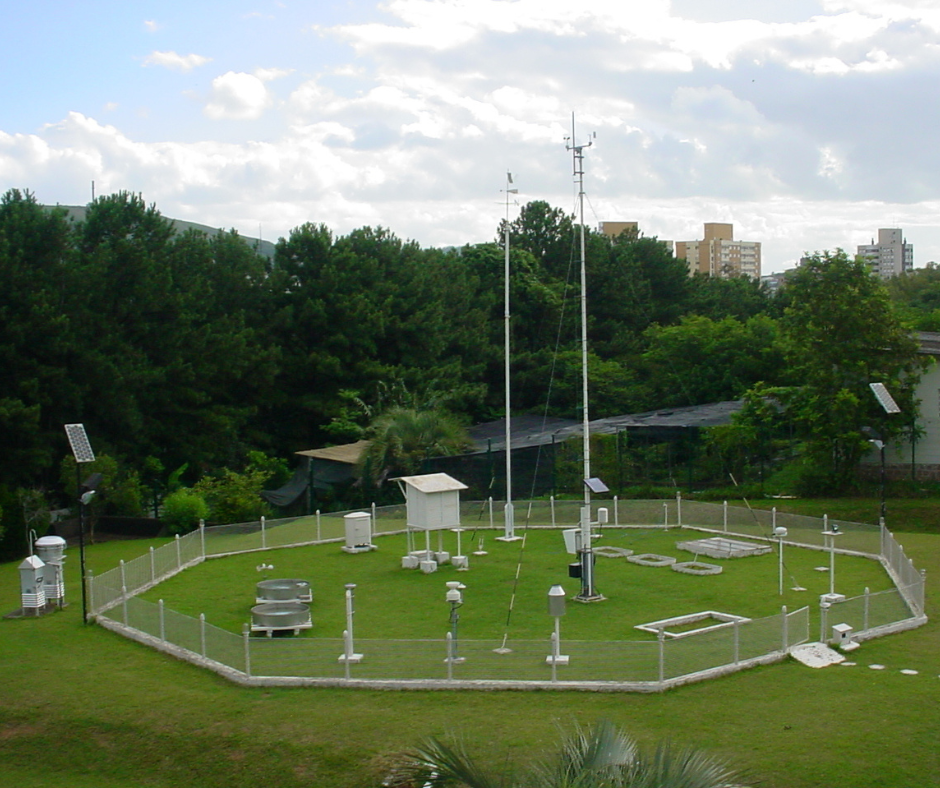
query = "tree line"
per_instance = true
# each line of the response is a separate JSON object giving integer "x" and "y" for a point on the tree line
{"x": 183, "y": 353}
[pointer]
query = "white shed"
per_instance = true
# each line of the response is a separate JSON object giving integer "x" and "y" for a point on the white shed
{"x": 432, "y": 500}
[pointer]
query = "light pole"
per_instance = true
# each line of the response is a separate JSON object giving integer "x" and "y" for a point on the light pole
{"x": 81, "y": 450}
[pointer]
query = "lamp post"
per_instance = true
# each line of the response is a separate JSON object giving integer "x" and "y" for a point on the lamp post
{"x": 890, "y": 407}
{"x": 81, "y": 450}
{"x": 876, "y": 439}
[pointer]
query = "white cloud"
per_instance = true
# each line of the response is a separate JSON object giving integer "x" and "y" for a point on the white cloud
{"x": 175, "y": 62}
{"x": 152, "y": 26}
{"x": 237, "y": 96}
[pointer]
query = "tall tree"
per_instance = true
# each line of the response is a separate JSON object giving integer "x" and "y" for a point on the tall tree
{"x": 402, "y": 438}
{"x": 701, "y": 360}
{"x": 37, "y": 338}
{"x": 841, "y": 334}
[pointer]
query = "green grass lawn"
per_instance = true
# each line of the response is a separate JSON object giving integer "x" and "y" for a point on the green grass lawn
{"x": 83, "y": 708}
{"x": 396, "y": 603}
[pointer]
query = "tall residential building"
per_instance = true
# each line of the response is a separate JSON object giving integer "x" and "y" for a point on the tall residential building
{"x": 892, "y": 255}
{"x": 632, "y": 229}
{"x": 718, "y": 254}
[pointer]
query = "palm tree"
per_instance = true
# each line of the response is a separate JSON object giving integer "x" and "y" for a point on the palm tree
{"x": 602, "y": 756}
{"x": 401, "y": 438}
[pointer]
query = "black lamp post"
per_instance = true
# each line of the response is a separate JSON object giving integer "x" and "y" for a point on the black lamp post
{"x": 81, "y": 450}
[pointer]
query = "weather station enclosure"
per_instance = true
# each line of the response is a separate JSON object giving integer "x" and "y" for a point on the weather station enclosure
{"x": 432, "y": 501}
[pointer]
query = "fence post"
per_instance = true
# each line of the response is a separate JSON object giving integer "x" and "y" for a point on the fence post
{"x": 318, "y": 525}
{"x": 823, "y": 615}
{"x": 372, "y": 524}
{"x": 662, "y": 657}
{"x": 90, "y": 585}
{"x": 616, "y": 510}
{"x": 162, "y": 621}
{"x": 450, "y": 656}
{"x": 724, "y": 518}
{"x": 737, "y": 642}
{"x": 490, "y": 503}
{"x": 123, "y": 577}
{"x": 665, "y": 515}
{"x": 202, "y": 634}
{"x": 348, "y": 654}
{"x": 202, "y": 538}
{"x": 785, "y": 630}
{"x": 179, "y": 557}
{"x": 773, "y": 520}
{"x": 153, "y": 567}
{"x": 245, "y": 636}
{"x": 679, "y": 507}
{"x": 124, "y": 603}
{"x": 264, "y": 536}
{"x": 865, "y": 614}
{"x": 551, "y": 501}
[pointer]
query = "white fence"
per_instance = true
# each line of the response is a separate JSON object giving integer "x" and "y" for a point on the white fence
{"x": 597, "y": 665}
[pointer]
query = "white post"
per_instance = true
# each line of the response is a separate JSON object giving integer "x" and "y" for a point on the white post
{"x": 246, "y": 638}
{"x": 202, "y": 538}
{"x": 832, "y": 564}
{"x": 551, "y": 501}
{"x": 264, "y": 540}
{"x": 123, "y": 577}
{"x": 616, "y": 510}
{"x": 823, "y": 615}
{"x": 679, "y": 507}
{"x": 162, "y": 621}
{"x": 153, "y": 567}
{"x": 785, "y": 629}
{"x": 490, "y": 503}
{"x": 555, "y": 650}
{"x": 662, "y": 655}
{"x": 202, "y": 633}
{"x": 179, "y": 556}
{"x": 124, "y": 603}
{"x": 349, "y": 652}
{"x": 865, "y": 614}
{"x": 318, "y": 525}
{"x": 372, "y": 524}
{"x": 450, "y": 656}
{"x": 665, "y": 514}
{"x": 725, "y": 515}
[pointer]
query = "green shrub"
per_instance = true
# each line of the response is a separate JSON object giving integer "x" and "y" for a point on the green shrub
{"x": 182, "y": 511}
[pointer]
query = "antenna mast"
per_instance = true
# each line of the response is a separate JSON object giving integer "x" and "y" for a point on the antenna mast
{"x": 588, "y": 592}
{"x": 509, "y": 521}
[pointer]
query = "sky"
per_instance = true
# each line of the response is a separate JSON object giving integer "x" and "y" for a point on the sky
{"x": 808, "y": 124}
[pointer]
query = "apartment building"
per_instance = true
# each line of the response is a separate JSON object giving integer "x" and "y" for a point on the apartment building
{"x": 718, "y": 254}
{"x": 892, "y": 255}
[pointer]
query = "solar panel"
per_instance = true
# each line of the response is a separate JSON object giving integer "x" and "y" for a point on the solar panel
{"x": 884, "y": 397}
{"x": 78, "y": 440}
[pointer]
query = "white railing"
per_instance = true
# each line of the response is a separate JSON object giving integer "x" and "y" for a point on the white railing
{"x": 640, "y": 665}
{"x": 629, "y": 664}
